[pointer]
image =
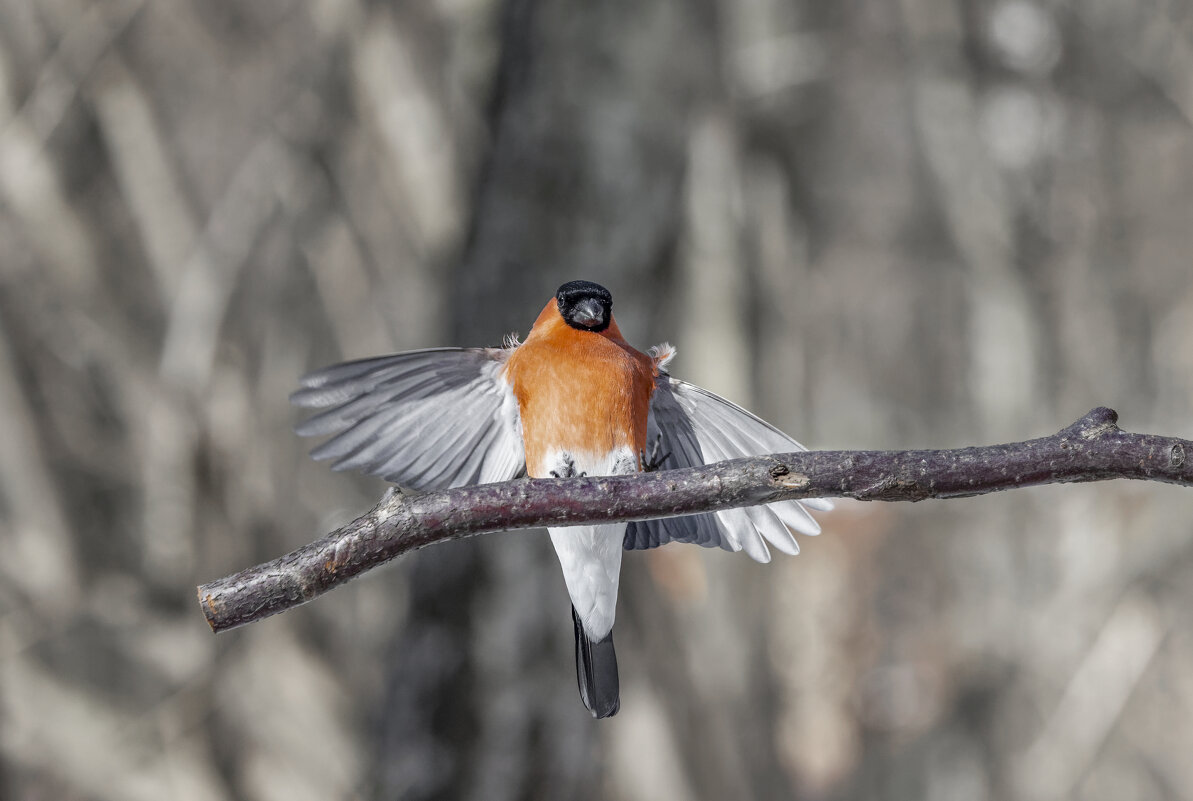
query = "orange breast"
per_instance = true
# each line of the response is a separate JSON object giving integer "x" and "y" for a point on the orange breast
{"x": 579, "y": 391}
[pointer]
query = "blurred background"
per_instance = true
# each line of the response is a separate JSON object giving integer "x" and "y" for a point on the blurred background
{"x": 926, "y": 223}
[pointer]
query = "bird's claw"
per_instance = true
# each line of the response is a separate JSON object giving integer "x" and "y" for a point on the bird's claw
{"x": 655, "y": 461}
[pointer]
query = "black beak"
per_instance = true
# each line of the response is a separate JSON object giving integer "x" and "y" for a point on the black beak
{"x": 589, "y": 313}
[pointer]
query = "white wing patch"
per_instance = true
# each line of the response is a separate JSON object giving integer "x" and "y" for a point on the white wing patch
{"x": 695, "y": 427}
{"x": 426, "y": 419}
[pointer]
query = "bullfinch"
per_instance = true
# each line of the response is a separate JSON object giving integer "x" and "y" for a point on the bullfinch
{"x": 573, "y": 399}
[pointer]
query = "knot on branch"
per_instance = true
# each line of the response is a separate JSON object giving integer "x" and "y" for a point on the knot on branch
{"x": 1176, "y": 456}
{"x": 1095, "y": 424}
{"x": 785, "y": 479}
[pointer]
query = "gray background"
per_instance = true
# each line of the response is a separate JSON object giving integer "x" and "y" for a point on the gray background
{"x": 923, "y": 223}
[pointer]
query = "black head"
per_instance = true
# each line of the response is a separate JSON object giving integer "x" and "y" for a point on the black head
{"x": 585, "y": 305}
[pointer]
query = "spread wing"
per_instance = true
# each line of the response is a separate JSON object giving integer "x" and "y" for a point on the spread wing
{"x": 426, "y": 419}
{"x": 695, "y": 427}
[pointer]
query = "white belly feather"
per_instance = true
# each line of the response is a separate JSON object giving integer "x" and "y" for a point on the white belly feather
{"x": 591, "y": 555}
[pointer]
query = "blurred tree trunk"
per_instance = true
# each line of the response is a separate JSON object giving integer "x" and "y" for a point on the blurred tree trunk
{"x": 583, "y": 180}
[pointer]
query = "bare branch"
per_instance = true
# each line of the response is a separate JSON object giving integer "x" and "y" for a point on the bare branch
{"x": 1092, "y": 449}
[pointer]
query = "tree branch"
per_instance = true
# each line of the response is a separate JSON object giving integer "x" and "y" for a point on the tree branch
{"x": 1092, "y": 449}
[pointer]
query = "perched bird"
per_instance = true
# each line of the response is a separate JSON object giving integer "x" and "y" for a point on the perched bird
{"x": 573, "y": 399}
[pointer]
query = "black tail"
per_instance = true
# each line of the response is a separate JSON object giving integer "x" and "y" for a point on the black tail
{"x": 596, "y": 671}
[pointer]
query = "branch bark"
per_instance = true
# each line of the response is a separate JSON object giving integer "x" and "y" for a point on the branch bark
{"x": 1092, "y": 449}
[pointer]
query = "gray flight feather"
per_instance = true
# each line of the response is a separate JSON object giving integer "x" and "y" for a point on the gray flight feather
{"x": 427, "y": 419}
{"x": 695, "y": 427}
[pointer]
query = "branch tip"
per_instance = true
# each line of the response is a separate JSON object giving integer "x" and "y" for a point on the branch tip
{"x": 209, "y": 610}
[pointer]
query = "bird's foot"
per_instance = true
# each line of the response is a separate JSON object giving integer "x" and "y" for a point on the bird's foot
{"x": 567, "y": 469}
{"x": 649, "y": 465}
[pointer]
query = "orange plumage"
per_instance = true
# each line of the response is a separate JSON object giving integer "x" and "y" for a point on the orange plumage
{"x": 582, "y": 391}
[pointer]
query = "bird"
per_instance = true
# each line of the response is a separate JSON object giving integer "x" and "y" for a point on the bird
{"x": 573, "y": 398}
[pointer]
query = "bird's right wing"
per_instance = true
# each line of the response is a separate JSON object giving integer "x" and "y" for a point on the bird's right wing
{"x": 425, "y": 419}
{"x": 695, "y": 427}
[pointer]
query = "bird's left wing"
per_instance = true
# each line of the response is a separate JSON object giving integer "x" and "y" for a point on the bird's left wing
{"x": 695, "y": 427}
{"x": 425, "y": 419}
